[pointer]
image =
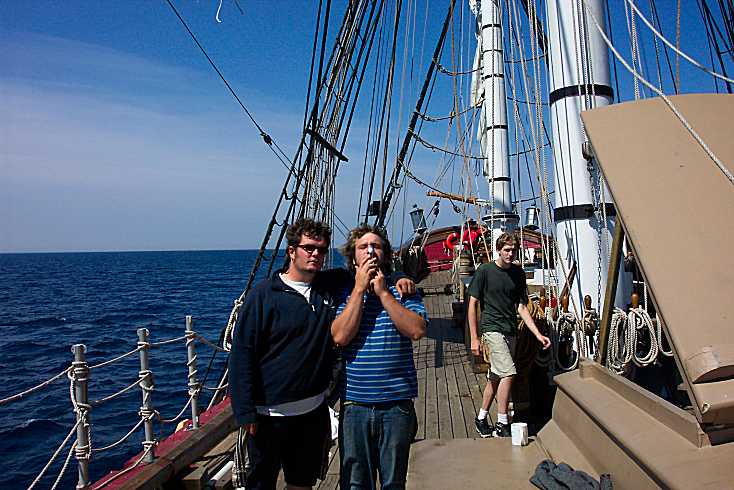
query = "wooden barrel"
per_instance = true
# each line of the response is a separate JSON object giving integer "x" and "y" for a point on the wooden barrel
{"x": 466, "y": 264}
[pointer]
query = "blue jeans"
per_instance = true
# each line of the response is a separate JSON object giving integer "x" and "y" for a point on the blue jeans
{"x": 375, "y": 437}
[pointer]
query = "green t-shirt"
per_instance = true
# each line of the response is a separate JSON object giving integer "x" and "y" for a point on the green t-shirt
{"x": 499, "y": 291}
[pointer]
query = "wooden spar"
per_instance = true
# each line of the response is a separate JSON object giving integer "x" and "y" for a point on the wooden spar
{"x": 328, "y": 146}
{"x": 457, "y": 197}
{"x": 569, "y": 283}
{"x": 611, "y": 292}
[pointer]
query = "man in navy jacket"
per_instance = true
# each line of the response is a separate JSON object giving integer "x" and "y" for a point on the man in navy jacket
{"x": 281, "y": 362}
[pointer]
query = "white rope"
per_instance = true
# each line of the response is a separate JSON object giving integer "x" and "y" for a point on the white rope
{"x": 115, "y": 359}
{"x": 211, "y": 344}
{"x": 164, "y": 342}
{"x": 169, "y": 421}
{"x": 209, "y": 388}
{"x": 105, "y": 448}
{"x": 126, "y": 470}
{"x": 231, "y": 322}
{"x": 667, "y": 101}
{"x": 122, "y": 391}
{"x": 53, "y": 457}
{"x": 616, "y": 360}
{"x": 638, "y": 319}
{"x": 677, "y": 51}
{"x": 31, "y": 390}
{"x": 659, "y": 324}
{"x": 216, "y": 17}
{"x": 64, "y": 467}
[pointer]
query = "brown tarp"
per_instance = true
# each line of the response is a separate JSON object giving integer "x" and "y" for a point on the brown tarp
{"x": 677, "y": 209}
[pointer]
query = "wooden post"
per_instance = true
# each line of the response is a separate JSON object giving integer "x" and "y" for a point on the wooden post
{"x": 611, "y": 292}
{"x": 191, "y": 363}
{"x": 146, "y": 386}
{"x": 81, "y": 399}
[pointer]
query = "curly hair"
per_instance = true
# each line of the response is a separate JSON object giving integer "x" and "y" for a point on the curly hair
{"x": 349, "y": 248}
{"x": 308, "y": 227}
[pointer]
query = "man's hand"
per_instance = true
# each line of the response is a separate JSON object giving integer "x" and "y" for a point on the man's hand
{"x": 543, "y": 340}
{"x": 378, "y": 284}
{"x": 405, "y": 287}
{"x": 250, "y": 429}
{"x": 475, "y": 347}
{"x": 364, "y": 275}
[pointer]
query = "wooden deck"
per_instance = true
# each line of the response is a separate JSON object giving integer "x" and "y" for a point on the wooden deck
{"x": 449, "y": 393}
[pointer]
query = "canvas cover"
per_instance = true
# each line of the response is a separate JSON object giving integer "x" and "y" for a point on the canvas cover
{"x": 677, "y": 209}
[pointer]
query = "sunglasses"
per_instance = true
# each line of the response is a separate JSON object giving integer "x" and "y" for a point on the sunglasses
{"x": 310, "y": 249}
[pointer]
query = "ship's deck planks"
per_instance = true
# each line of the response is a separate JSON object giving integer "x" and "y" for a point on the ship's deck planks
{"x": 449, "y": 393}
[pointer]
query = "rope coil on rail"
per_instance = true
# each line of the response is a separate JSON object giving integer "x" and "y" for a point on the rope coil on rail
{"x": 625, "y": 334}
{"x": 566, "y": 327}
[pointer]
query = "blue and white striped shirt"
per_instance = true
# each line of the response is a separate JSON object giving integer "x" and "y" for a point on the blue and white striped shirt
{"x": 378, "y": 362}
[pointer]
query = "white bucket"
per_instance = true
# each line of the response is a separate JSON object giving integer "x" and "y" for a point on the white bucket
{"x": 519, "y": 432}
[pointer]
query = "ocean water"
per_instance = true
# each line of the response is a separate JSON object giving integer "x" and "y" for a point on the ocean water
{"x": 48, "y": 302}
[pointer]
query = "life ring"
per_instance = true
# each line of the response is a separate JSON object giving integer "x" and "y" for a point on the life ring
{"x": 451, "y": 240}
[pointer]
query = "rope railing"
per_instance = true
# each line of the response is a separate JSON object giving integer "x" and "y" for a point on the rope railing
{"x": 177, "y": 417}
{"x": 115, "y": 359}
{"x": 211, "y": 344}
{"x": 78, "y": 374}
{"x": 64, "y": 467}
{"x": 54, "y": 456}
{"x": 116, "y": 394}
{"x": 220, "y": 388}
{"x": 20, "y": 395}
{"x": 125, "y": 471}
{"x": 119, "y": 441}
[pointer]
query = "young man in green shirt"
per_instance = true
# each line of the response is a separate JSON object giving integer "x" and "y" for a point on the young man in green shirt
{"x": 499, "y": 287}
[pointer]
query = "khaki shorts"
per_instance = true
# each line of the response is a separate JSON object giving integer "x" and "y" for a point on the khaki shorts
{"x": 501, "y": 351}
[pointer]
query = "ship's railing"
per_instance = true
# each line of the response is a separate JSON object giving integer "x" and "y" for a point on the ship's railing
{"x": 79, "y": 373}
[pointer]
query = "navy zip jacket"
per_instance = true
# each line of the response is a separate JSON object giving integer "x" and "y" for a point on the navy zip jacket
{"x": 282, "y": 349}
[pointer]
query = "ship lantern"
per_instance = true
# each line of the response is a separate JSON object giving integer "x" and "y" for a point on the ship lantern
{"x": 531, "y": 218}
{"x": 419, "y": 221}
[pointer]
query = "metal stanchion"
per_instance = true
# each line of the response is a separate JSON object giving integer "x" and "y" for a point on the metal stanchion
{"x": 191, "y": 363}
{"x": 146, "y": 386}
{"x": 80, "y": 376}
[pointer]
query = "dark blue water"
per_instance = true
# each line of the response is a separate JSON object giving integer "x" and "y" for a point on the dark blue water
{"x": 50, "y": 301}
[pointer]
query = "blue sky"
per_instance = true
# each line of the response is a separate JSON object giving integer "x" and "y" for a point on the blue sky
{"x": 117, "y": 135}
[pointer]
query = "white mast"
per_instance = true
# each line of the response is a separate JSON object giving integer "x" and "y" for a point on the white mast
{"x": 492, "y": 131}
{"x": 579, "y": 80}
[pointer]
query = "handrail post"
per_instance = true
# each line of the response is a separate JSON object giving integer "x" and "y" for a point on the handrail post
{"x": 191, "y": 363}
{"x": 146, "y": 386}
{"x": 80, "y": 379}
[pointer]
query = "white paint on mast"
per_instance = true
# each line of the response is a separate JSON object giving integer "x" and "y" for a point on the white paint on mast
{"x": 579, "y": 80}
{"x": 492, "y": 131}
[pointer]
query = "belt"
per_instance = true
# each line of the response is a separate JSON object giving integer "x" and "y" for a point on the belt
{"x": 377, "y": 405}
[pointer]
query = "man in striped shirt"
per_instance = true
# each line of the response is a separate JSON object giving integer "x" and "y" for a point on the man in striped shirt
{"x": 375, "y": 328}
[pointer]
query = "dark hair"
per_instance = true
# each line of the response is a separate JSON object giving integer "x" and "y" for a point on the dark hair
{"x": 308, "y": 227}
{"x": 348, "y": 250}
{"x": 507, "y": 239}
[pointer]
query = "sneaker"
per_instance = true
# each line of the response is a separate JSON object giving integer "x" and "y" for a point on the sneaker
{"x": 502, "y": 430}
{"x": 484, "y": 427}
